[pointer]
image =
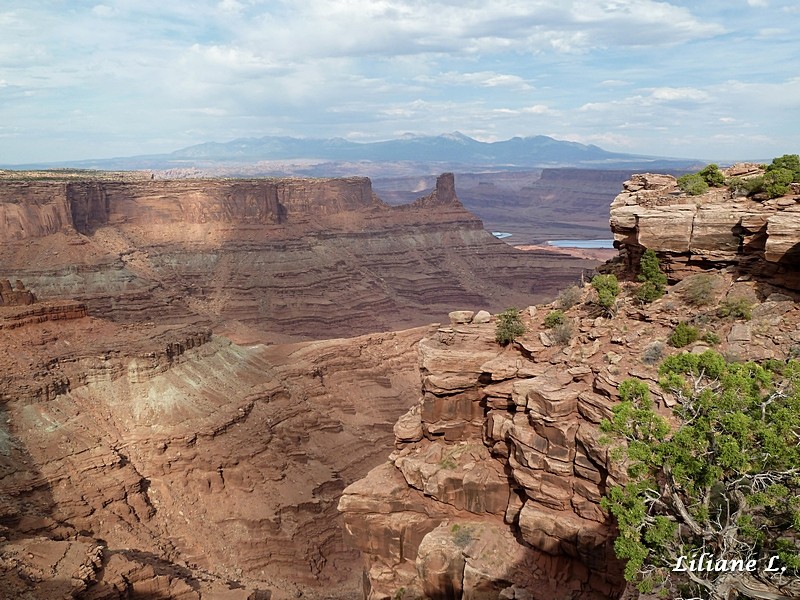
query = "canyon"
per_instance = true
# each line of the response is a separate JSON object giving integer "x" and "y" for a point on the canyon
{"x": 175, "y": 419}
{"x": 175, "y": 424}
{"x": 290, "y": 259}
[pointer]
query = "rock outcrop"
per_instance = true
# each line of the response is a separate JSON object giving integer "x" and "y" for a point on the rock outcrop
{"x": 718, "y": 229}
{"x": 494, "y": 487}
{"x": 15, "y": 296}
{"x": 284, "y": 258}
{"x": 162, "y": 461}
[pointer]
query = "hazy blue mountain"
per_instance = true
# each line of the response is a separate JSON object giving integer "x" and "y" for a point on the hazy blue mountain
{"x": 407, "y": 155}
{"x": 452, "y": 148}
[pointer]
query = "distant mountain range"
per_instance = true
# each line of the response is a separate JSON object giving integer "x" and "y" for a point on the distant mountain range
{"x": 452, "y": 151}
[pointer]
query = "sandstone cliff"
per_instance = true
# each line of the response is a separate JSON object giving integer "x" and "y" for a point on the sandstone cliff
{"x": 494, "y": 486}
{"x": 718, "y": 229}
{"x": 304, "y": 258}
{"x": 149, "y": 461}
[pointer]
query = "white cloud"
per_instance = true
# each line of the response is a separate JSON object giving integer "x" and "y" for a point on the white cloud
{"x": 103, "y": 10}
{"x": 758, "y": 3}
{"x": 489, "y": 79}
{"x": 219, "y": 69}
{"x": 671, "y": 94}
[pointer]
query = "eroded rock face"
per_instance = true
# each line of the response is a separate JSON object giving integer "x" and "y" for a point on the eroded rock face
{"x": 717, "y": 229}
{"x": 509, "y": 489}
{"x": 510, "y": 455}
{"x": 154, "y": 461}
{"x": 289, "y": 258}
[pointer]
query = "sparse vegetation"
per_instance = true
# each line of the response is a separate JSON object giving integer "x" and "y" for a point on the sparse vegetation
{"x": 711, "y": 338}
{"x": 699, "y": 290}
{"x": 712, "y": 175}
{"x": 782, "y": 172}
{"x": 692, "y": 184}
{"x": 683, "y": 335}
{"x": 509, "y": 326}
{"x": 553, "y": 318}
{"x": 607, "y": 288}
{"x": 462, "y": 536}
{"x": 568, "y": 297}
{"x": 738, "y": 308}
{"x": 698, "y": 183}
{"x": 562, "y": 333}
{"x": 723, "y": 480}
{"x": 654, "y": 282}
{"x": 653, "y": 353}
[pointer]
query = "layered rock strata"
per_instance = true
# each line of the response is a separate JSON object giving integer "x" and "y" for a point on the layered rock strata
{"x": 718, "y": 229}
{"x": 162, "y": 461}
{"x": 303, "y": 258}
{"x": 494, "y": 487}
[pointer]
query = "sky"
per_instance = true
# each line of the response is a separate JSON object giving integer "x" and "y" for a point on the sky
{"x": 717, "y": 79}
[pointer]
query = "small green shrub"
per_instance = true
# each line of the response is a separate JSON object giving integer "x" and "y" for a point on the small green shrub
{"x": 692, "y": 184}
{"x": 790, "y": 162}
{"x": 711, "y": 338}
{"x": 738, "y": 308}
{"x": 683, "y": 335}
{"x": 776, "y": 182}
{"x": 607, "y": 288}
{"x": 712, "y": 175}
{"x": 509, "y": 326}
{"x": 568, "y": 297}
{"x": 654, "y": 282}
{"x": 699, "y": 290}
{"x": 562, "y": 333}
{"x": 653, "y": 353}
{"x": 553, "y": 318}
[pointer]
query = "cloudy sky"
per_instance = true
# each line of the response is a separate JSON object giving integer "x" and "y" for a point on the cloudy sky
{"x": 717, "y": 79}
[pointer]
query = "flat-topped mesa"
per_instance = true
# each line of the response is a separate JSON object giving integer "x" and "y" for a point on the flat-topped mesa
{"x": 718, "y": 229}
{"x": 31, "y": 209}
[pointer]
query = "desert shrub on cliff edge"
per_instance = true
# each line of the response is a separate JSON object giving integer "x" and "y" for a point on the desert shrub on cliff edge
{"x": 607, "y": 288}
{"x": 692, "y": 184}
{"x": 683, "y": 335}
{"x": 698, "y": 183}
{"x": 723, "y": 479}
{"x": 654, "y": 282}
{"x": 509, "y": 326}
{"x": 738, "y": 308}
{"x": 699, "y": 290}
{"x": 562, "y": 333}
{"x": 568, "y": 297}
{"x": 783, "y": 171}
{"x": 553, "y": 318}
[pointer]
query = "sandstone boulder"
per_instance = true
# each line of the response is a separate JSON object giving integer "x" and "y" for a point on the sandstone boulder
{"x": 481, "y": 317}
{"x": 461, "y": 317}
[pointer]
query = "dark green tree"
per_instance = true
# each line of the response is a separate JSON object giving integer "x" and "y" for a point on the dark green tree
{"x": 607, "y": 288}
{"x": 509, "y": 326}
{"x": 712, "y": 175}
{"x": 790, "y": 162}
{"x": 721, "y": 483}
{"x": 693, "y": 184}
{"x": 654, "y": 282}
{"x": 776, "y": 182}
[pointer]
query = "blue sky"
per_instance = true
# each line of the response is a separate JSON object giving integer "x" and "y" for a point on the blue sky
{"x": 712, "y": 79}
